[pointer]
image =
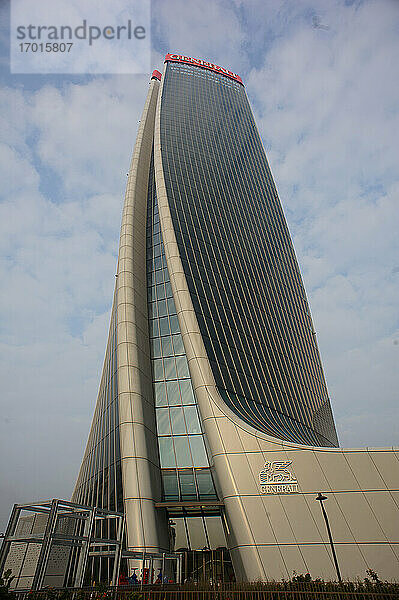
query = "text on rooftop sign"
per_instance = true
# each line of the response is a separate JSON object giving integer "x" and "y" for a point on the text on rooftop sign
{"x": 204, "y": 64}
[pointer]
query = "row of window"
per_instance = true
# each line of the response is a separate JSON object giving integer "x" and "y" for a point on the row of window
{"x": 229, "y": 224}
{"x": 232, "y": 162}
{"x": 180, "y": 438}
{"x": 182, "y": 451}
{"x": 100, "y": 478}
{"x": 188, "y": 484}
{"x": 177, "y": 420}
{"x": 216, "y": 246}
{"x": 207, "y": 146}
{"x": 207, "y": 75}
{"x": 174, "y": 393}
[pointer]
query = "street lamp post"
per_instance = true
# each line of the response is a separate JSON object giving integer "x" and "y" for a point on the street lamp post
{"x": 321, "y": 499}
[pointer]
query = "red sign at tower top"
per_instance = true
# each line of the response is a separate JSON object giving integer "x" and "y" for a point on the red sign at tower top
{"x": 197, "y": 62}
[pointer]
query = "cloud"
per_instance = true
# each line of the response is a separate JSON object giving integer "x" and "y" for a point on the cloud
{"x": 64, "y": 158}
{"x": 366, "y": 377}
{"x": 325, "y": 103}
{"x": 91, "y": 37}
{"x": 86, "y": 128}
{"x": 208, "y": 30}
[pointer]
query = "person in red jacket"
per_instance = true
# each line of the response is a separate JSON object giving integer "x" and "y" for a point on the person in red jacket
{"x": 122, "y": 579}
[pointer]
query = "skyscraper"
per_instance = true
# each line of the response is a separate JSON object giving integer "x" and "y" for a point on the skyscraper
{"x": 213, "y": 408}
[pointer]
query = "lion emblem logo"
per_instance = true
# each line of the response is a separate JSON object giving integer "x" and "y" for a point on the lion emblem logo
{"x": 277, "y": 477}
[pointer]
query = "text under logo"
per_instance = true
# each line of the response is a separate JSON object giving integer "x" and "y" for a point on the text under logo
{"x": 275, "y": 478}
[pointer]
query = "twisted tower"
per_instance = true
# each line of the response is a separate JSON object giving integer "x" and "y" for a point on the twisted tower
{"x": 212, "y": 357}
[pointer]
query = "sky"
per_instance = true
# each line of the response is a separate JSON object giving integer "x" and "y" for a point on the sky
{"x": 322, "y": 79}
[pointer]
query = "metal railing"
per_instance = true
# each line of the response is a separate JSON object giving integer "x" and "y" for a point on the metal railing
{"x": 256, "y": 591}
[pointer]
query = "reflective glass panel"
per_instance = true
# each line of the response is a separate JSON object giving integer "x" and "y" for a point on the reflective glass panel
{"x": 168, "y": 289}
{"x": 178, "y": 344}
{"x": 156, "y": 348}
{"x": 187, "y": 485}
{"x": 170, "y": 485}
{"x": 167, "y": 349}
{"x": 196, "y": 533}
{"x": 160, "y": 394}
{"x": 163, "y": 422}
{"x": 187, "y": 391}
{"x": 170, "y": 368}
{"x": 152, "y": 310}
{"x": 171, "y": 306}
{"x": 192, "y": 420}
{"x": 159, "y": 276}
{"x": 173, "y": 393}
{"x": 200, "y": 457}
{"x": 162, "y": 309}
{"x": 158, "y": 369}
{"x": 182, "y": 367}
{"x": 166, "y": 452}
{"x": 160, "y": 291}
{"x": 177, "y": 419}
{"x": 182, "y": 451}
{"x": 174, "y": 324}
{"x": 215, "y": 531}
{"x": 164, "y": 326}
{"x": 154, "y": 328}
{"x": 158, "y": 262}
{"x": 181, "y": 541}
{"x": 205, "y": 483}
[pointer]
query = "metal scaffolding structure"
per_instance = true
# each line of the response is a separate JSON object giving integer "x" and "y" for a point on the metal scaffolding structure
{"x": 65, "y": 524}
{"x": 76, "y": 527}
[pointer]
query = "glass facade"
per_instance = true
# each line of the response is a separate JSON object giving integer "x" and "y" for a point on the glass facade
{"x": 186, "y": 473}
{"x": 240, "y": 267}
{"x": 100, "y": 478}
{"x": 99, "y": 481}
{"x": 251, "y": 308}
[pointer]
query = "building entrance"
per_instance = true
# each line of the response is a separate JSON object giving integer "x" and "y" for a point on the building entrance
{"x": 207, "y": 565}
{"x": 198, "y": 534}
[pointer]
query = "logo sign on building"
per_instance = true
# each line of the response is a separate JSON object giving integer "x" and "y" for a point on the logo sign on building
{"x": 204, "y": 64}
{"x": 276, "y": 478}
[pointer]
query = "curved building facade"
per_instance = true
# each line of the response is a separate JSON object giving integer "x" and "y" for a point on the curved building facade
{"x": 238, "y": 259}
{"x": 213, "y": 425}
